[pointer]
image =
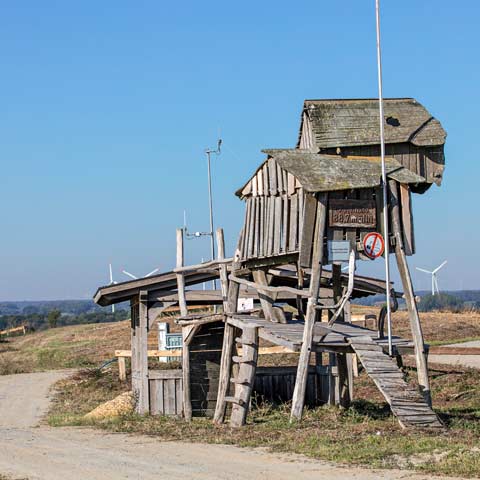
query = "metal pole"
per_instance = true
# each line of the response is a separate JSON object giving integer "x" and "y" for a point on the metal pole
{"x": 384, "y": 178}
{"x": 210, "y": 201}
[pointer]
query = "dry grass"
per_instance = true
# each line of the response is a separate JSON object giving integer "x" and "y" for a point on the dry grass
{"x": 366, "y": 434}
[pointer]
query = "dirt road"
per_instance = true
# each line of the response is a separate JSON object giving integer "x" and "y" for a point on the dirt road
{"x": 471, "y": 361}
{"x": 82, "y": 454}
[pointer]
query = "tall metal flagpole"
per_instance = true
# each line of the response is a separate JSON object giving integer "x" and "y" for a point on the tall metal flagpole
{"x": 384, "y": 179}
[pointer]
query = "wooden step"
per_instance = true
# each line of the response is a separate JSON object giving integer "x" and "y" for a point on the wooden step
{"x": 406, "y": 403}
{"x": 238, "y": 401}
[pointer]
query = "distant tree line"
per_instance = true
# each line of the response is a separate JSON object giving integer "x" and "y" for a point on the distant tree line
{"x": 56, "y": 318}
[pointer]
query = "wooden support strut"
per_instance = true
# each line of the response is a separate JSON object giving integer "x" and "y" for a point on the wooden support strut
{"x": 139, "y": 354}
{"x": 420, "y": 354}
{"x": 187, "y": 404}
{"x": 310, "y": 317}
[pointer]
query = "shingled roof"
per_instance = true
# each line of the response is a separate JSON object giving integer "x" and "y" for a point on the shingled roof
{"x": 322, "y": 173}
{"x": 342, "y": 123}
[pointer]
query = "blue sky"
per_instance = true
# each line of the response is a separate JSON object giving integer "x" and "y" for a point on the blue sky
{"x": 107, "y": 108}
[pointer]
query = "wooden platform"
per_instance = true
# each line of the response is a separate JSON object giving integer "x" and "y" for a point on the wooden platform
{"x": 406, "y": 402}
{"x": 336, "y": 338}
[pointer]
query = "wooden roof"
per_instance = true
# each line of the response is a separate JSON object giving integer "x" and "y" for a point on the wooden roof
{"x": 319, "y": 173}
{"x": 354, "y": 122}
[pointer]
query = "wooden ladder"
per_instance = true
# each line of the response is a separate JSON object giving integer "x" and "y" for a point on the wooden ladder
{"x": 244, "y": 380}
{"x": 406, "y": 402}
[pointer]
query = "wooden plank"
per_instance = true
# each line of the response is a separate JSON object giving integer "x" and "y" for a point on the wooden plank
{"x": 272, "y": 176}
{"x": 290, "y": 184}
{"x": 261, "y": 233}
{"x": 271, "y": 225}
{"x": 293, "y": 224}
{"x": 169, "y": 397}
{"x": 265, "y": 178}
{"x": 251, "y": 228}
{"x": 246, "y": 230}
{"x": 261, "y": 191}
{"x": 407, "y": 219}
{"x": 122, "y": 369}
{"x": 303, "y": 362}
{"x": 256, "y": 238}
{"x": 277, "y": 235}
{"x": 306, "y": 234}
{"x": 286, "y": 213}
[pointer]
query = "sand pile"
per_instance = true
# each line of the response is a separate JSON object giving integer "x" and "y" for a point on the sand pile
{"x": 121, "y": 405}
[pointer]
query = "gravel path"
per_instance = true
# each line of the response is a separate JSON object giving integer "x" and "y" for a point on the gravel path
{"x": 27, "y": 450}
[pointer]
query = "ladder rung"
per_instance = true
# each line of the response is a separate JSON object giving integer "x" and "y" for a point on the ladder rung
{"x": 236, "y": 400}
{"x": 240, "y": 382}
{"x": 237, "y": 359}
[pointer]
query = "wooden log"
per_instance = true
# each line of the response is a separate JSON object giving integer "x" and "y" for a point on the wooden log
{"x": 316, "y": 273}
{"x": 415, "y": 325}
{"x": 343, "y": 391}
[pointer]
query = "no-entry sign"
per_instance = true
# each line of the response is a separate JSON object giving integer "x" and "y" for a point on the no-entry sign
{"x": 373, "y": 245}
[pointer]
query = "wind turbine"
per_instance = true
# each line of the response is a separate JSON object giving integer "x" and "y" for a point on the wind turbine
{"x": 136, "y": 278}
{"x": 112, "y": 282}
{"x": 433, "y": 273}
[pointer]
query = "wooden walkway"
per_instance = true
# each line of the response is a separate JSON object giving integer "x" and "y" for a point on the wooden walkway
{"x": 324, "y": 338}
{"x": 406, "y": 402}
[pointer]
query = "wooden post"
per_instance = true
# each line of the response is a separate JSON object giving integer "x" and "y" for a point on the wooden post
{"x": 420, "y": 354}
{"x": 223, "y": 268}
{"x": 246, "y": 377}
{"x": 140, "y": 353}
{"x": 180, "y": 279}
{"x": 122, "y": 369}
{"x": 310, "y": 317}
{"x": 187, "y": 404}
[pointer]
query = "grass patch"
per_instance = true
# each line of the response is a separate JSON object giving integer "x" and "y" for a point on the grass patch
{"x": 364, "y": 435}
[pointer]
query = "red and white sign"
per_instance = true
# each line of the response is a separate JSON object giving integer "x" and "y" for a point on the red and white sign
{"x": 373, "y": 245}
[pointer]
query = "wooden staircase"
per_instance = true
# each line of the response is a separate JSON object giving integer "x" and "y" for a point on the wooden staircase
{"x": 407, "y": 404}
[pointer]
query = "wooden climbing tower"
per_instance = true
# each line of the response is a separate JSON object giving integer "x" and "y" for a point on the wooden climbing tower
{"x": 321, "y": 205}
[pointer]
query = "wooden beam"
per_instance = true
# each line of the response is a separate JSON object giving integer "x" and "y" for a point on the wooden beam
{"x": 223, "y": 267}
{"x": 415, "y": 325}
{"x": 266, "y": 300}
{"x": 139, "y": 355}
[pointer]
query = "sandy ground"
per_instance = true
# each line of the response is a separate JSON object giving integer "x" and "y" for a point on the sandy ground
{"x": 472, "y": 361}
{"x": 40, "y": 452}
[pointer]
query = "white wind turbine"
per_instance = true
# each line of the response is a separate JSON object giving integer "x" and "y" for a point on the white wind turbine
{"x": 136, "y": 278}
{"x": 433, "y": 273}
{"x": 112, "y": 282}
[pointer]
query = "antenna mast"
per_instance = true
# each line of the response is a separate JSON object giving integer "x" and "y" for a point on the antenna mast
{"x": 384, "y": 178}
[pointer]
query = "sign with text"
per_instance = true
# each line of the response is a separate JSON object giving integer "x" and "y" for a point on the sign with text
{"x": 352, "y": 213}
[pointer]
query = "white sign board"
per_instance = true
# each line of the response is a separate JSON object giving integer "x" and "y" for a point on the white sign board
{"x": 244, "y": 304}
